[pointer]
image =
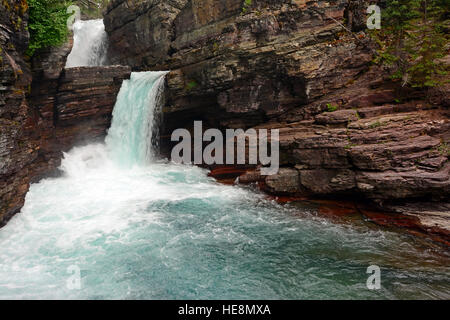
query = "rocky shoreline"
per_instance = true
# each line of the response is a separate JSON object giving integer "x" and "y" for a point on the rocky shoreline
{"x": 344, "y": 127}
{"x": 346, "y": 130}
{"x": 428, "y": 220}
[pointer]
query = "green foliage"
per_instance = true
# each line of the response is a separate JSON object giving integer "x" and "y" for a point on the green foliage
{"x": 47, "y": 24}
{"x": 247, "y": 4}
{"x": 377, "y": 124}
{"x": 413, "y": 39}
{"x": 331, "y": 108}
{"x": 444, "y": 149}
{"x": 191, "y": 85}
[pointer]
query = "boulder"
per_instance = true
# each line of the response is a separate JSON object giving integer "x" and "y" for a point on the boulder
{"x": 287, "y": 180}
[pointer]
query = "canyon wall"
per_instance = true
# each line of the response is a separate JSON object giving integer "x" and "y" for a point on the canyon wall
{"x": 74, "y": 108}
{"x": 16, "y": 151}
{"x": 44, "y": 109}
{"x": 345, "y": 128}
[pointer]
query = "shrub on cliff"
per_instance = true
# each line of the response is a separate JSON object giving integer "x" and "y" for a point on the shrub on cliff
{"x": 413, "y": 39}
{"x": 47, "y": 24}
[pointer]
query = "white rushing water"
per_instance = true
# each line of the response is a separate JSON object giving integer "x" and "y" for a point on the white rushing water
{"x": 90, "y": 44}
{"x": 131, "y": 227}
{"x": 130, "y": 137}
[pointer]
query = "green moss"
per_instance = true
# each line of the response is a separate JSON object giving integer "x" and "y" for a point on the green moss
{"x": 6, "y": 5}
{"x": 19, "y": 22}
{"x": 377, "y": 124}
{"x": 443, "y": 149}
{"x": 349, "y": 144}
{"x": 215, "y": 46}
{"x": 191, "y": 85}
{"x": 246, "y": 6}
{"x": 331, "y": 107}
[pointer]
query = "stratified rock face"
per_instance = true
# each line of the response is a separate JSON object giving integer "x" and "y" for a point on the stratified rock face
{"x": 290, "y": 65}
{"x": 246, "y": 63}
{"x": 16, "y": 152}
{"x": 390, "y": 156}
{"x": 77, "y": 107}
{"x": 73, "y": 108}
{"x": 379, "y": 149}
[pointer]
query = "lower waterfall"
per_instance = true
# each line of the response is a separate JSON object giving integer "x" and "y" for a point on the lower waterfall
{"x": 130, "y": 137}
{"x": 121, "y": 224}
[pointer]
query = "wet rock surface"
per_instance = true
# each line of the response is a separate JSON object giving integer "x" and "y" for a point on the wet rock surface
{"x": 16, "y": 152}
{"x": 73, "y": 109}
{"x": 234, "y": 64}
{"x": 346, "y": 130}
{"x": 77, "y": 107}
{"x": 291, "y": 65}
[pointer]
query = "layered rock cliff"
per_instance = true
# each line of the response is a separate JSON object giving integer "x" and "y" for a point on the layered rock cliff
{"x": 72, "y": 109}
{"x": 345, "y": 128}
{"x": 16, "y": 151}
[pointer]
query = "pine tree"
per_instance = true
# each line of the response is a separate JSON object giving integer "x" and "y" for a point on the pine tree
{"x": 413, "y": 39}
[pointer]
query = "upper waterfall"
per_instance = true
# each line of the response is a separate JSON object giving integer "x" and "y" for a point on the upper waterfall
{"x": 89, "y": 44}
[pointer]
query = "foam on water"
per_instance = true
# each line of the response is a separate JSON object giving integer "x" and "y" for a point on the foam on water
{"x": 142, "y": 229}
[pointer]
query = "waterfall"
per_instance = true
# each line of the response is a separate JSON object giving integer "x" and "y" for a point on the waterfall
{"x": 132, "y": 137}
{"x": 89, "y": 44}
